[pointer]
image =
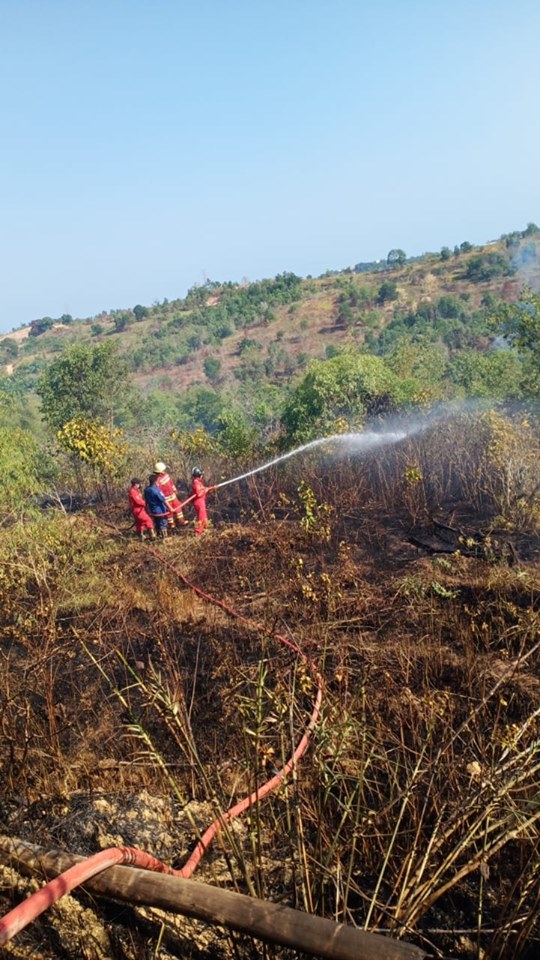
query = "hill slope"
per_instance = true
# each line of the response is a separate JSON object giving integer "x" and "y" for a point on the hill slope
{"x": 223, "y": 335}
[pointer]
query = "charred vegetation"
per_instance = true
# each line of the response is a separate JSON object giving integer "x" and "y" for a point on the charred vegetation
{"x": 132, "y": 711}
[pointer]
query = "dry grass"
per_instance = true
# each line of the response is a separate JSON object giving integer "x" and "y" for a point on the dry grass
{"x": 416, "y": 808}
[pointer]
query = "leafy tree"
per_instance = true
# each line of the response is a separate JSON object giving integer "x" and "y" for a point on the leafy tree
{"x": 485, "y": 267}
{"x": 345, "y": 315}
{"x": 21, "y": 466}
{"x": 331, "y": 350}
{"x": 85, "y": 381}
{"x": 200, "y": 407}
{"x": 246, "y": 343}
{"x": 396, "y": 257}
{"x": 262, "y": 404}
{"x": 9, "y": 349}
{"x": 520, "y": 323}
{"x": 446, "y": 253}
{"x": 37, "y": 327}
{"x": 94, "y": 444}
{"x": 140, "y": 312}
{"x": 448, "y": 306}
{"x": 387, "y": 291}
{"x": 223, "y": 329}
{"x": 466, "y": 247}
{"x": 496, "y": 374}
{"x": 121, "y": 321}
{"x": 194, "y": 445}
{"x": 420, "y": 360}
{"x": 237, "y": 437}
{"x": 351, "y": 385}
{"x": 212, "y": 367}
{"x": 194, "y": 342}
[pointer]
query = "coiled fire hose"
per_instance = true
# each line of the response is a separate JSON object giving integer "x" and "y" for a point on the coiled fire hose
{"x": 31, "y": 908}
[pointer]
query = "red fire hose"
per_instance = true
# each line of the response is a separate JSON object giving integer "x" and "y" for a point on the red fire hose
{"x": 27, "y": 911}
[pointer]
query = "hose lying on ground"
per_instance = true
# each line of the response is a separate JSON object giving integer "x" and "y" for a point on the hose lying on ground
{"x": 27, "y": 911}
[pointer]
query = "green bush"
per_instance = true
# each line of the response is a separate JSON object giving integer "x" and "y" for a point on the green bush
{"x": 349, "y": 386}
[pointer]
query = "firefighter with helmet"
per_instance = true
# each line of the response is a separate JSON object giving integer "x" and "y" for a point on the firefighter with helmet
{"x": 199, "y": 491}
{"x": 168, "y": 489}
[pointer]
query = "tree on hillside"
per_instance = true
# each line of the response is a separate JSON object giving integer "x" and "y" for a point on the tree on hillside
{"x": 37, "y": 327}
{"x": 446, "y": 253}
{"x": 387, "y": 291}
{"x": 85, "y": 381}
{"x": 396, "y": 258}
{"x": 9, "y": 349}
{"x": 140, "y": 312}
{"x": 494, "y": 374}
{"x": 485, "y": 267}
{"x": 421, "y": 360}
{"x": 22, "y": 466}
{"x": 199, "y": 407}
{"x": 350, "y": 385}
{"x": 94, "y": 444}
{"x": 212, "y": 367}
{"x": 520, "y": 324}
{"x": 121, "y": 321}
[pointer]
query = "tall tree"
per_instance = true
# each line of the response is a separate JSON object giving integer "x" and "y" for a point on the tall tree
{"x": 85, "y": 381}
{"x": 350, "y": 386}
{"x": 520, "y": 324}
{"x": 396, "y": 257}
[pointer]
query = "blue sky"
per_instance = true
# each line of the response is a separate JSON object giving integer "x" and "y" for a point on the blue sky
{"x": 150, "y": 144}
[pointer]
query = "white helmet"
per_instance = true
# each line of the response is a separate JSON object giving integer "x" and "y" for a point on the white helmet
{"x": 160, "y": 467}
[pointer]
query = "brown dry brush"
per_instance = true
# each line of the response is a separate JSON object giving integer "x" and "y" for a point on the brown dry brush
{"x": 416, "y": 809}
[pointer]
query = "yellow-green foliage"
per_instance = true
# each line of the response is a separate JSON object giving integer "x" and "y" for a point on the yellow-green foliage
{"x": 94, "y": 443}
{"x": 316, "y": 519}
{"x": 194, "y": 443}
{"x": 20, "y": 463}
{"x": 510, "y": 466}
{"x": 51, "y": 563}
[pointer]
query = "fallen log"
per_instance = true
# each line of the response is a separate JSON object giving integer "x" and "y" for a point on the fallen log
{"x": 260, "y": 919}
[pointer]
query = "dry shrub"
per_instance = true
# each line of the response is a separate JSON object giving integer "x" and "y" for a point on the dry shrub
{"x": 416, "y": 808}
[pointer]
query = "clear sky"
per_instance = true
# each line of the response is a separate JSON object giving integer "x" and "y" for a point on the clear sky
{"x": 148, "y": 145}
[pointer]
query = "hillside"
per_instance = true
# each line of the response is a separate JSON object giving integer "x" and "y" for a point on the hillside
{"x": 329, "y": 700}
{"x": 228, "y": 337}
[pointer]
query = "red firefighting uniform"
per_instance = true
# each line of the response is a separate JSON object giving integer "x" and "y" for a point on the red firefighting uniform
{"x": 174, "y": 506}
{"x": 138, "y": 508}
{"x": 199, "y": 491}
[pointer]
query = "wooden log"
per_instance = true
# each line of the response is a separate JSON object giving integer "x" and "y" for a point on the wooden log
{"x": 260, "y": 919}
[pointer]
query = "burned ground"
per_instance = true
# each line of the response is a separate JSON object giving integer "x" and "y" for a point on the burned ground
{"x": 133, "y": 709}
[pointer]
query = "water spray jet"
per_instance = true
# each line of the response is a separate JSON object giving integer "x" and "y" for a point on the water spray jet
{"x": 353, "y": 443}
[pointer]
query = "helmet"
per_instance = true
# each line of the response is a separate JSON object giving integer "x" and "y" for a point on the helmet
{"x": 160, "y": 467}
{"x": 196, "y": 472}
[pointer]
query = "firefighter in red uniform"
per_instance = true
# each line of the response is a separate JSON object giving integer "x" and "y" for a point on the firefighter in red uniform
{"x": 199, "y": 491}
{"x": 168, "y": 490}
{"x": 137, "y": 505}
